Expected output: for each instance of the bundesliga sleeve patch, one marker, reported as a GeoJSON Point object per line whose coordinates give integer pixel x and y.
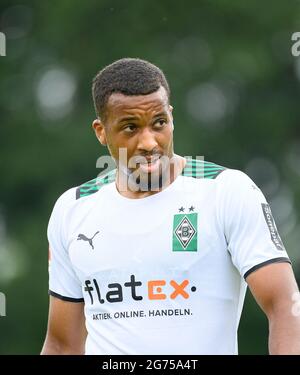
{"type": "Point", "coordinates": [275, 237]}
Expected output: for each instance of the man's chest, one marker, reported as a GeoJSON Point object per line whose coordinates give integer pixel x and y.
{"type": "Point", "coordinates": [178, 233]}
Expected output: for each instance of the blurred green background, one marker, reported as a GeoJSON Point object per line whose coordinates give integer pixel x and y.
{"type": "Point", "coordinates": [235, 91]}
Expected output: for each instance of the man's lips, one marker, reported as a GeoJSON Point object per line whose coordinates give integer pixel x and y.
{"type": "Point", "coordinates": [146, 159]}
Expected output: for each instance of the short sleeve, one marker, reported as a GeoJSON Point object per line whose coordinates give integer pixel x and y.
{"type": "Point", "coordinates": [63, 282]}
{"type": "Point", "coordinates": [249, 227]}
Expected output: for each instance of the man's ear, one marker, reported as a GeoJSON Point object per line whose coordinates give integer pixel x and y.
{"type": "Point", "coordinates": [99, 129]}
{"type": "Point", "coordinates": [171, 111]}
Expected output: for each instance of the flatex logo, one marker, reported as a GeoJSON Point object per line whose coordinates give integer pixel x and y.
{"type": "Point", "coordinates": [159, 289]}
{"type": "Point", "coordinates": [2, 44]}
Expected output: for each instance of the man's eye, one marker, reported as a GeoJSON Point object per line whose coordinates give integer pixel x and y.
{"type": "Point", "coordinates": [129, 128]}
{"type": "Point", "coordinates": [160, 123]}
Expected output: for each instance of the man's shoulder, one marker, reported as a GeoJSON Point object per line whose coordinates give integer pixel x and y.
{"type": "Point", "coordinates": [236, 185]}
{"type": "Point", "coordinates": [199, 168]}
{"type": "Point", "coordinates": [222, 175]}
{"type": "Point", "coordinates": [231, 176]}
{"type": "Point", "coordinates": [93, 186]}
{"type": "Point", "coordinates": [74, 195]}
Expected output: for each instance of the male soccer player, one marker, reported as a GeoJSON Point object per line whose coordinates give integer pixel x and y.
{"type": "Point", "coordinates": [155, 256]}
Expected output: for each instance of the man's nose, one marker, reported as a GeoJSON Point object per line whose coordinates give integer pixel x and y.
{"type": "Point", "coordinates": [147, 140]}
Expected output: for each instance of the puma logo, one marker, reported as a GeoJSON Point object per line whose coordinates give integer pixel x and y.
{"type": "Point", "coordinates": [85, 238]}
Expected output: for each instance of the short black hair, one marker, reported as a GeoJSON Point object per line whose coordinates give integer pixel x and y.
{"type": "Point", "coordinates": [128, 76]}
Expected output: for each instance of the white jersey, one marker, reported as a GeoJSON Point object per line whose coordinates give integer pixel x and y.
{"type": "Point", "coordinates": [163, 274]}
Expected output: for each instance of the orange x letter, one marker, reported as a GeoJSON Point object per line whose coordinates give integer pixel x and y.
{"type": "Point", "coordinates": [179, 289]}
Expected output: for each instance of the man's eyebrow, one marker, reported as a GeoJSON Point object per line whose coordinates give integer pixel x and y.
{"type": "Point", "coordinates": [163, 113]}
{"type": "Point", "coordinates": [128, 118]}
{"type": "Point", "coordinates": [133, 118]}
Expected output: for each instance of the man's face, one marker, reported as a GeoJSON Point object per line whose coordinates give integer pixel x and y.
{"type": "Point", "coordinates": [143, 125]}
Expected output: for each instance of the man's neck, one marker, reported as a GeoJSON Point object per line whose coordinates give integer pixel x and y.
{"type": "Point", "coordinates": [176, 166]}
